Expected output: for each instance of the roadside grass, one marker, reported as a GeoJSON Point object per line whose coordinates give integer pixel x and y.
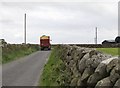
{"type": "Point", "coordinates": [51, 72]}
{"type": "Point", "coordinates": [112, 51]}
{"type": "Point", "coordinates": [13, 52]}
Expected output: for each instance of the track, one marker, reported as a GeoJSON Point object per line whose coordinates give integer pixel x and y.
{"type": "Point", "coordinates": [25, 71]}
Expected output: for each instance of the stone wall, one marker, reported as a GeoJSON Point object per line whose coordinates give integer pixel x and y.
{"type": "Point", "coordinates": [89, 68]}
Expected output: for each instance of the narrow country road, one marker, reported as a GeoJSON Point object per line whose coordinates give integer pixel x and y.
{"type": "Point", "coordinates": [25, 71]}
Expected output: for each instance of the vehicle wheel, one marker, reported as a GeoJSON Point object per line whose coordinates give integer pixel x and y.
{"type": "Point", "coordinates": [42, 48]}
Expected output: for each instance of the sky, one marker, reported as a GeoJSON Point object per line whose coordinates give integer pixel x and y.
{"type": "Point", "coordinates": [66, 22]}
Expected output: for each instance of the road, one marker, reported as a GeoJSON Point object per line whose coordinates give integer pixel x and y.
{"type": "Point", "coordinates": [24, 71]}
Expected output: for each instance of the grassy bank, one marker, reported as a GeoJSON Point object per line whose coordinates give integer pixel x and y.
{"type": "Point", "coordinates": [112, 51]}
{"type": "Point", "coordinates": [12, 52]}
{"type": "Point", "coordinates": [52, 70]}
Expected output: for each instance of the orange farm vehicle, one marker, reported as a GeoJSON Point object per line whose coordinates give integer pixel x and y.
{"type": "Point", "coordinates": [45, 42]}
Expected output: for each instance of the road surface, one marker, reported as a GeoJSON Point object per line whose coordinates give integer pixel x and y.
{"type": "Point", "coordinates": [25, 71]}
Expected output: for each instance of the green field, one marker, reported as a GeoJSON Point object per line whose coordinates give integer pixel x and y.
{"type": "Point", "coordinates": [112, 51]}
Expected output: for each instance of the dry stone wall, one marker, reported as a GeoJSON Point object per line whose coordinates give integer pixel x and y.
{"type": "Point", "coordinates": [90, 68]}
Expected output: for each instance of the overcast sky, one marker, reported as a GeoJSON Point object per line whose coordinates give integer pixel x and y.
{"type": "Point", "coordinates": [64, 22]}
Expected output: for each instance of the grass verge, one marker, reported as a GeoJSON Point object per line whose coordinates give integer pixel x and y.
{"type": "Point", "coordinates": [112, 51]}
{"type": "Point", "coordinates": [13, 52]}
{"type": "Point", "coordinates": [52, 69]}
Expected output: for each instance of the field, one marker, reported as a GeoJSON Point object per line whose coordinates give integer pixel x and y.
{"type": "Point", "coordinates": [112, 51]}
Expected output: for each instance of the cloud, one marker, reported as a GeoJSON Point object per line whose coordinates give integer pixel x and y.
{"type": "Point", "coordinates": [64, 22]}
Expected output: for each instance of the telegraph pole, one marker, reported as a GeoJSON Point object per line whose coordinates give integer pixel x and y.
{"type": "Point", "coordinates": [25, 28]}
{"type": "Point", "coordinates": [96, 35]}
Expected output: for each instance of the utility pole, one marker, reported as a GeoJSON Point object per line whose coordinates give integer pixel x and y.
{"type": "Point", "coordinates": [25, 28]}
{"type": "Point", "coordinates": [96, 35]}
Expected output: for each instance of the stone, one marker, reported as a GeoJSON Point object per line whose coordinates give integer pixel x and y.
{"type": "Point", "coordinates": [68, 69]}
{"type": "Point", "coordinates": [69, 52]}
{"type": "Point", "coordinates": [72, 62]}
{"type": "Point", "coordinates": [87, 72]}
{"type": "Point", "coordinates": [94, 61]}
{"type": "Point", "coordinates": [117, 84]}
{"type": "Point", "coordinates": [93, 79]}
{"type": "Point", "coordinates": [92, 52]}
{"type": "Point", "coordinates": [74, 82]}
{"type": "Point", "coordinates": [89, 62]}
{"type": "Point", "coordinates": [81, 83]}
{"type": "Point", "coordinates": [68, 58]}
{"type": "Point", "coordinates": [80, 54]}
{"type": "Point", "coordinates": [82, 62]}
{"type": "Point", "coordinates": [73, 67]}
{"type": "Point", "coordinates": [108, 60]}
{"type": "Point", "coordinates": [112, 64]}
{"type": "Point", "coordinates": [114, 75]}
{"type": "Point", "coordinates": [101, 69]}
{"type": "Point", "coordinates": [104, 83]}
{"type": "Point", "coordinates": [86, 50]}
{"type": "Point", "coordinates": [76, 73]}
